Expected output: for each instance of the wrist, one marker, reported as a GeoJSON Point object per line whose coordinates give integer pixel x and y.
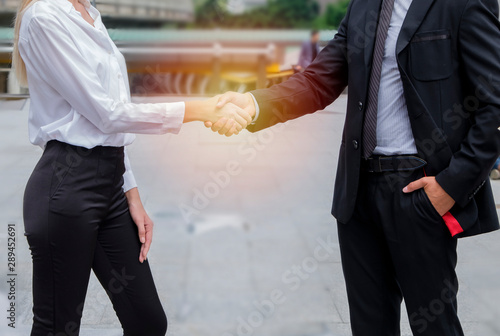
{"type": "Point", "coordinates": [251, 103]}
{"type": "Point", "coordinates": [133, 198]}
{"type": "Point", "coordinates": [200, 111]}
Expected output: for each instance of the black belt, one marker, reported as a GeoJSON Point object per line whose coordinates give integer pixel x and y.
{"type": "Point", "coordinates": [397, 163]}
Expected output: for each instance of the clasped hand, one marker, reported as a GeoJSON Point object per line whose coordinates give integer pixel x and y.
{"type": "Point", "coordinates": [222, 113]}
{"type": "Point", "coordinates": [235, 111]}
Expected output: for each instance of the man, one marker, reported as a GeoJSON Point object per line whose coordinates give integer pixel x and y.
{"type": "Point", "coordinates": [420, 137]}
{"type": "Point", "coordinates": [309, 51]}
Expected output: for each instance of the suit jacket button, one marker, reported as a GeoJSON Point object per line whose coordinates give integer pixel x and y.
{"type": "Point", "coordinates": [360, 106]}
{"type": "Point", "coordinates": [355, 144]}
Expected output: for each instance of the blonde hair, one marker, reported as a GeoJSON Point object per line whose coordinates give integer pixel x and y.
{"type": "Point", "coordinates": [17, 61]}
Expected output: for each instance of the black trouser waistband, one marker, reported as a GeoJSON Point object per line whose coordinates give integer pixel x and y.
{"type": "Point", "coordinates": [106, 151]}
{"type": "Point", "coordinates": [396, 163]}
{"type": "Point", "coordinates": [101, 165]}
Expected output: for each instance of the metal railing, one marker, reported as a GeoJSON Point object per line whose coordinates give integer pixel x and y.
{"type": "Point", "coordinates": [180, 82]}
{"type": "Point", "coordinates": [10, 96]}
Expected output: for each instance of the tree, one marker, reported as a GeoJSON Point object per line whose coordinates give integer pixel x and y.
{"type": "Point", "coordinates": [276, 14]}
{"type": "Point", "coordinates": [292, 13]}
{"type": "Point", "coordinates": [211, 13]}
{"type": "Point", "coordinates": [335, 13]}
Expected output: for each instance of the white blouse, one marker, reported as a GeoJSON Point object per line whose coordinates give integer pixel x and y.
{"type": "Point", "coordinates": [79, 86]}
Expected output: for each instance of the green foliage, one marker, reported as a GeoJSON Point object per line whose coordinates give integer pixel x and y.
{"type": "Point", "coordinates": [292, 13]}
{"type": "Point", "coordinates": [211, 13]}
{"type": "Point", "coordinates": [276, 14]}
{"type": "Point", "coordinates": [335, 13]}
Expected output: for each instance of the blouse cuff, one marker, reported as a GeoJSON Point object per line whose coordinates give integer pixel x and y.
{"type": "Point", "coordinates": [174, 117]}
{"type": "Point", "coordinates": [129, 181]}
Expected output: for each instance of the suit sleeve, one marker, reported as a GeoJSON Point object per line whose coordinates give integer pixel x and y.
{"type": "Point", "coordinates": [323, 81]}
{"type": "Point", "coordinates": [479, 50]}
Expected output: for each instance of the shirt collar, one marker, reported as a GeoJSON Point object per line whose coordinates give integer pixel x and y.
{"type": "Point", "coordinates": [94, 13]}
{"type": "Point", "coordinates": [64, 4]}
{"type": "Point", "coordinates": [67, 5]}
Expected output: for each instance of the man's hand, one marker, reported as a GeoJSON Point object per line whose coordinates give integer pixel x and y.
{"type": "Point", "coordinates": [142, 220]}
{"type": "Point", "coordinates": [244, 101]}
{"type": "Point", "coordinates": [441, 201]}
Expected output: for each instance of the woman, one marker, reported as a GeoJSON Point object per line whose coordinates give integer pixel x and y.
{"type": "Point", "coordinates": [82, 209]}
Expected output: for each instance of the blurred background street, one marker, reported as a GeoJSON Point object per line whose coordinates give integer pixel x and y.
{"type": "Point", "coordinates": [222, 248]}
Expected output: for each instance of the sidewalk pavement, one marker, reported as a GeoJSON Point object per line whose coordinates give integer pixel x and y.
{"type": "Point", "coordinates": [234, 218]}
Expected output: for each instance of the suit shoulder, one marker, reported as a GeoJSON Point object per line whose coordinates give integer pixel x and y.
{"type": "Point", "coordinates": [457, 4]}
{"type": "Point", "coordinates": [490, 5]}
{"type": "Point", "coordinates": [463, 4]}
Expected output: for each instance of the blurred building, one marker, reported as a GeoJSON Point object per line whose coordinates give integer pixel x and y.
{"type": "Point", "coordinates": [7, 10]}
{"type": "Point", "coordinates": [240, 6]}
{"type": "Point", "coordinates": [9, 5]}
{"type": "Point", "coordinates": [125, 12]}
{"type": "Point", "coordinates": [147, 10]}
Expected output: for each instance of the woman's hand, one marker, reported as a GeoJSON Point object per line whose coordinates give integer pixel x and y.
{"type": "Point", "coordinates": [142, 220]}
{"type": "Point", "coordinates": [233, 118]}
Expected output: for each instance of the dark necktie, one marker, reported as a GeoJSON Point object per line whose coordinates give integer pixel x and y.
{"type": "Point", "coordinates": [370, 124]}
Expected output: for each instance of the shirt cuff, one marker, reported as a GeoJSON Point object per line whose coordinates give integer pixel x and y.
{"type": "Point", "coordinates": [257, 110]}
{"type": "Point", "coordinates": [174, 117]}
{"type": "Point", "coordinates": [129, 181]}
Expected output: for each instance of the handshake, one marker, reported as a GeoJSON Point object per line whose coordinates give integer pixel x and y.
{"type": "Point", "coordinates": [227, 114]}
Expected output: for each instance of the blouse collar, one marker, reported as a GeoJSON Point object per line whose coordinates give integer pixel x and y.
{"type": "Point", "coordinates": [67, 5]}
{"type": "Point", "coordinates": [94, 13]}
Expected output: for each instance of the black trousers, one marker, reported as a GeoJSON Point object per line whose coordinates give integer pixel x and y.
{"type": "Point", "coordinates": [397, 246]}
{"type": "Point", "coordinates": [76, 220]}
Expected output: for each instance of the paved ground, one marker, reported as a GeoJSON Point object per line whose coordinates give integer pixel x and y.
{"type": "Point", "coordinates": [218, 256]}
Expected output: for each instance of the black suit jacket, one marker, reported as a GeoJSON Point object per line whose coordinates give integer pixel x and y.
{"type": "Point", "coordinates": [448, 54]}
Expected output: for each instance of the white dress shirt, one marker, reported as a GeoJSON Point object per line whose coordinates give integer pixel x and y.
{"type": "Point", "coordinates": [394, 134]}
{"type": "Point", "coordinates": [79, 86]}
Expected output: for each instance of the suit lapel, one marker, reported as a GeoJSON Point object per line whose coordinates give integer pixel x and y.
{"type": "Point", "coordinates": [416, 14]}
